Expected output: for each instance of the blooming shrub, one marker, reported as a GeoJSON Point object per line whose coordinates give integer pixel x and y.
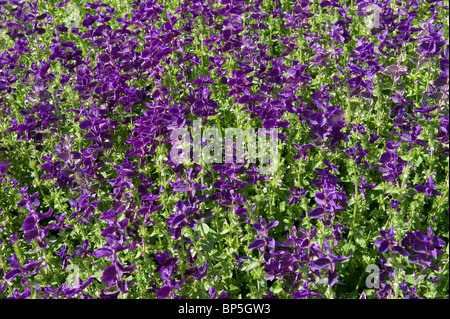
{"type": "Point", "coordinates": [93, 203]}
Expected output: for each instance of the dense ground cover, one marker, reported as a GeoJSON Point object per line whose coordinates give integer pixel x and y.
{"type": "Point", "coordinates": [92, 204]}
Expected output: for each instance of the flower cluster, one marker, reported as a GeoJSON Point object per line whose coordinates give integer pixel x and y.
{"type": "Point", "coordinates": [92, 92]}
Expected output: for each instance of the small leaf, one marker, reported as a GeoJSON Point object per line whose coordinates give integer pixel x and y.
{"type": "Point", "coordinates": [203, 229]}
{"type": "Point", "coordinates": [361, 242]}
{"type": "Point", "coordinates": [282, 206]}
{"type": "Point", "coordinates": [251, 265]}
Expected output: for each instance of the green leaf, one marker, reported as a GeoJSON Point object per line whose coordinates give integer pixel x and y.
{"type": "Point", "coordinates": [250, 264]}
{"type": "Point", "coordinates": [282, 206]}
{"type": "Point", "coordinates": [348, 248]}
{"type": "Point", "coordinates": [209, 242]}
{"type": "Point", "coordinates": [361, 242]}
{"type": "Point", "coordinates": [203, 229]}
{"type": "Point", "coordinates": [233, 289]}
{"type": "Point", "coordinates": [419, 160]}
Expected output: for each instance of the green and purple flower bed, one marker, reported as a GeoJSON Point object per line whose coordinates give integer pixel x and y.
{"type": "Point", "coordinates": [108, 189]}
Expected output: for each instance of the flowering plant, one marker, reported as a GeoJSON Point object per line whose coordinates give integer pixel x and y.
{"type": "Point", "coordinates": [113, 129]}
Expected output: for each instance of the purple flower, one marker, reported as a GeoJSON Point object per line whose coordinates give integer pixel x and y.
{"type": "Point", "coordinates": [373, 138]}
{"type": "Point", "coordinates": [412, 138]}
{"type": "Point", "coordinates": [3, 171]}
{"type": "Point", "coordinates": [201, 271]}
{"type": "Point", "coordinates": [212, 294]}
{"type": "Point", "coordinates": [17, 295]}
{"type": "Point", "coordinates": [393, 164]}
{"type": "Point", "coordinates": [303, 151]}
{"type": "Point", "coordinates": [89, 20]}
{"type": "Point", "coordinates": [32, 267]}
{"type": "Point", "coordinates": [328, 262]}
{"type": "Point", "coordinates": [364, 186]}
{"type": "Point", "coordinates": [239, 259]}
{"type": "Point", "coordinates": [434, 279]}
{"type": "Point", "coordinates": [167, 267]}
{"type": "Point", "coordinates": [426, 245]}
{"type": "Point", "coordinates": [296, 194]}
{"type": "Point", "coordinates": [387, 242]}
{"type": "Point", "coordinates": [3, 287]}
{"type": "Point", "coordinates": [305, 293]}
{"type": "Point", "coordinates": [357, 155]}
{"type": "Point", "coordinates": [428, 188]}
{"type": "Point", "coordinates": [62, 28]}
{"type": "Point", "coordinates": [263, 229]}
{"type": "Point", "coordinates": [395, 204]}
{"type": "Point", "coordinates": [425, 110]}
